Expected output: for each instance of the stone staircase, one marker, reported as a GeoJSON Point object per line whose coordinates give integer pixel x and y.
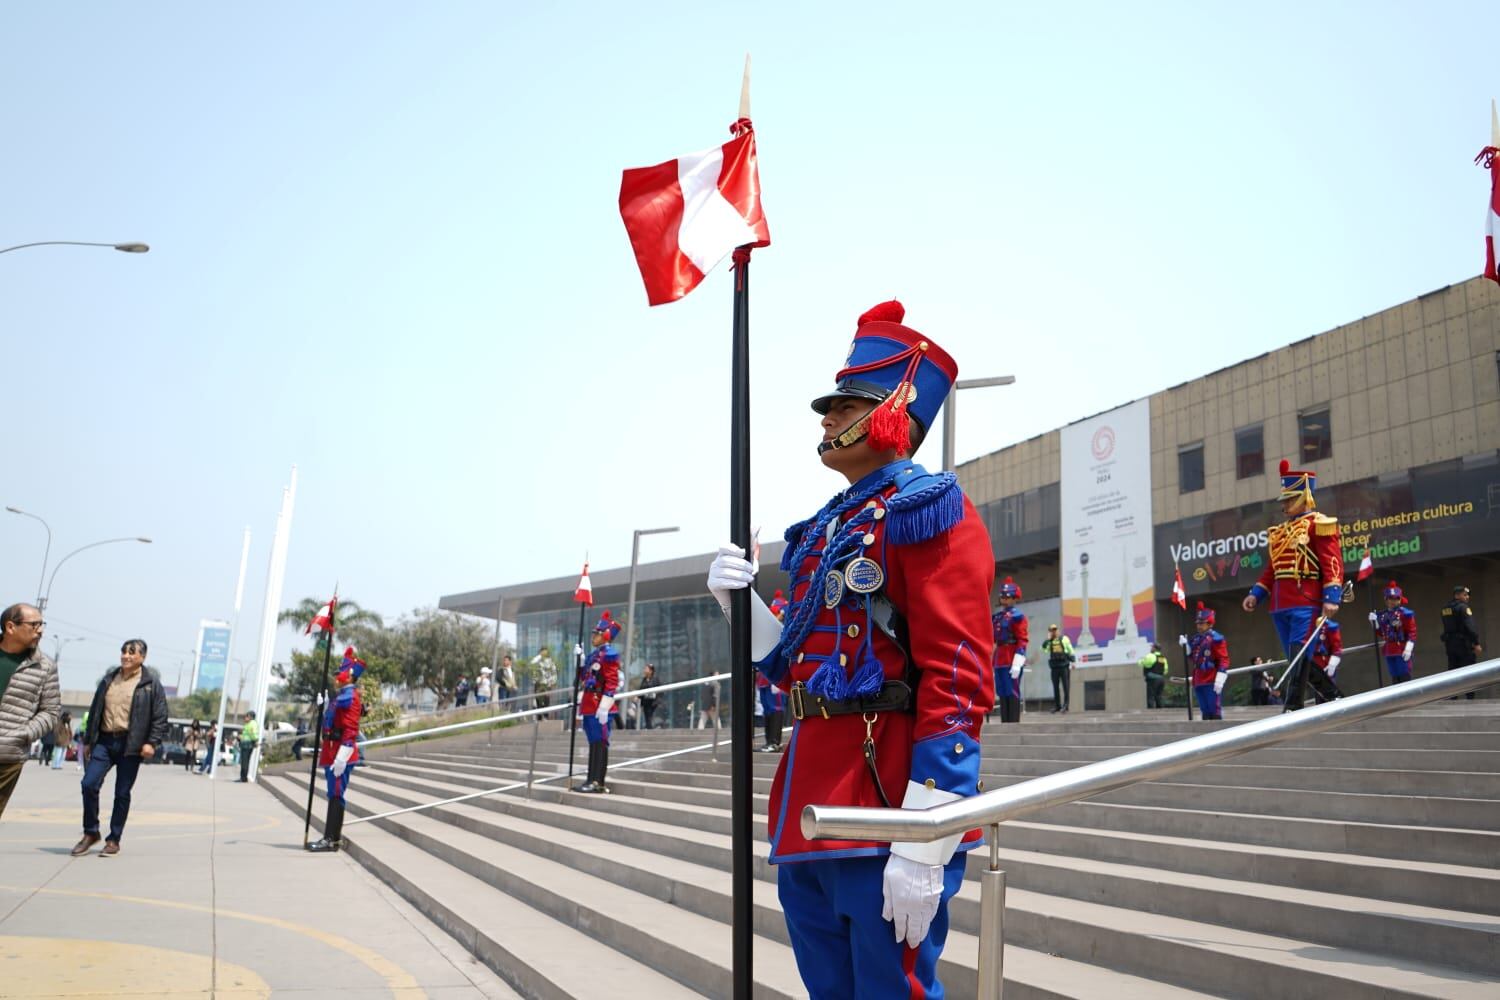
{"type": "Point", "coordinates": [1360, 863]}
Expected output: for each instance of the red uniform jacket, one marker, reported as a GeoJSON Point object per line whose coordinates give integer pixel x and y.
{"type": "Point", "coordinates": [1328, 644]}
{"type": "Point", "coordinates": [1395, 627]}
{"type": "Point", "coordinates": [341, 727]}
{"type": "Point", "coordinates": [1208, 653]}
{"type": "Point", "coordinates": [1306, 564]}
{"type": "Point", "coordinates": [1012, 634]}
{"type": "Point", "coordinates": [601, 677]}
{"type": "Point", "coordinates": [936, 570]}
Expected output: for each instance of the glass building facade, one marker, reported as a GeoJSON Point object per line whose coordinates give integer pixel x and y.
{"type": "Point", "coordinates": [684, 637]}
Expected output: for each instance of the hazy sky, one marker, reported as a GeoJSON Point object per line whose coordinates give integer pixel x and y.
{"type": "Point", "coordinates": [385, 247]}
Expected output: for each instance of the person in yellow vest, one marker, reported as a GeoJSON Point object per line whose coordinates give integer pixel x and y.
{"type": "Point", "coordinates": [249, 738]}
{"type": "Point", "coordinates": [1060, 659]}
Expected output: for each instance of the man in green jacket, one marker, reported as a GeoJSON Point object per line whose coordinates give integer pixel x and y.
{"type": "Point", "coordinates": [1154, 667]}
{"type": "Point", "coordinates": [1059, 652]}
{"type": "Point", "coordinates": [249, 737]}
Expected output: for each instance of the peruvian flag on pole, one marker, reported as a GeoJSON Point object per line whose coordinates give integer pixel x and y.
{"type": "Point", "coordinates": [585, 592]}
{"type": "Point", "coordinates": [323, 620]}
{"type": "Point", "coordinates": [687, 214]}
{"type": "Point", "coordinates": [1179, 593]}
{"type": "Point", "coordinates": [1367, 565]}
{"type": "Point", "coordinates": [1489, 158]}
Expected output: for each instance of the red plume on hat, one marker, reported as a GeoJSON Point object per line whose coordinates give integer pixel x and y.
{"type": "Point", "coordinates": [1205, 613]}
{"type": "Point", "coordinates": [1010, 588]}
{"type": "Point", "coordinates": [890, 425]}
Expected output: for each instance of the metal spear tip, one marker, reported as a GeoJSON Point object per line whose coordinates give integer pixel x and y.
{"type": "Point", "coordinates": [745, 89]}
{"type": "Point", "coordinates": [145, 540]}
{"type": "Point", "coordinates": [132, 247]}
{"type": "Point", "coordinates": [14, 510]}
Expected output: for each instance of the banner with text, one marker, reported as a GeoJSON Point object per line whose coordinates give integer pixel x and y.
{"type": "Point", "coordinates": [1108, 594]}
{"type": "Point", "coordinates": [213, 656]}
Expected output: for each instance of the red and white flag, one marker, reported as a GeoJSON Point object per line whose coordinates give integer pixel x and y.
{"type": "Point", "coordinates": [1489, 158]}
{"type": "Point", "coordinates": [1179, 593]}
{"type": "Point", "coordinates": [1366, 568]}
{"type": "Point", "coordinates": [585, 592]}
{"type": "Point", "coordinates": [323, 620]}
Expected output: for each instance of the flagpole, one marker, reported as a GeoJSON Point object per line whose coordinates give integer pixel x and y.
{"type": "Point", "coordinates": [1375, 630]}
{"type": "Point", "coordinates": [312, 774]}
{"type": "Point", "coordinates": [577, 679]}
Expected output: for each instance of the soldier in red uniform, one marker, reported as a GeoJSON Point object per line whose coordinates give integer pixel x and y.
{"type": "Point", "coordinates": [1396, 631]}
{"type": "Point", "coordinates": [772, 701]}
{"type": "Point", "coordinates": [338, 753]}
{"type": "Point", "coordinates": [1208, 654]}
{"type": "Point", "coordinates": [1012, 634]}
{"type": "Point", "coordinates": [601, 679]}
{"type": "Point", "coordinates": [1304, 575]}
{"type": "Point", "coordinates": [1325, 654]}
{"type": "Point", "coordinates": [885, 654]}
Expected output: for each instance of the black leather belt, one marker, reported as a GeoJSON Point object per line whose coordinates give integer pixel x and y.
{"type": "Point", "coordinates": [894, 696]}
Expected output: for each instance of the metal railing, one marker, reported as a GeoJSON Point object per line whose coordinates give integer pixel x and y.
{"type": "Point", "coordinates": [990, 809]}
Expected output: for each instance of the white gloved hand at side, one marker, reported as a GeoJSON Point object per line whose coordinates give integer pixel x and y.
{"type": "Point", "coordinates": [605, 704]}
{"type": "Point", "coordinates": [1333, 666]}
{"type": "Point", "coordinates": [341, 760]}
{"type": "Point", "coordinates": [1182, 641]}
{"type": "Point", "coordinates": [1219, 680]}
{"type": "Point", "coordinates": [1016, 664]}
{"type": "Point", "coordinates": [912, 891]}
{"type": "Point", "coordinates": [731, 571]}
{"type": "Point", "coordinates": [1374, 618]}
{"type": "Point", "coordinates": [1406, 653]}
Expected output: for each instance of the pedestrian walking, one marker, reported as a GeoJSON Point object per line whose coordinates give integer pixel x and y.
{"type": "Point", "coordinates": [461, 693]}
{"type": "Point", "coordinates": [886, 658]}
{"type": "Point", "coordinates": [191, 742]}
{"type": "Point", "coordinates": [1058, 649]}
{"type": "Point", "coordinates": [1460, 641]}
{"type": "Point", "coordinates": [1396, 631]}
{"type": "Point", "coordinates": [211, 748]}
{"type": "Point", "coordinates": [708, 705]}
{"type": "Point", "coordinates": [506, 682]}
{"type": "Point", "coordinates": [48, 741]}
{"type": "Point", "coordinates": [62, 739]}
{"type": "Point", "coordinates": [127, 724]}
{"type": "Point", "coordinates": [1260, 683]}
{"type": "Point", "coordinates": [483, 688]}
{"type": "Point", "coordinates": [648, 700]}
{"type": "Point", "coordinates": [544, 674]}
{"type": "Point", "coordinates": [249, 740]}
{"type": "Point", "coordinates": [1154, 668]}
{"type": "Point", "coordinates": [29, 700]}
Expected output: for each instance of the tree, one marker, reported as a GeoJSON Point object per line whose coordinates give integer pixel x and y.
{"type": "Point", "coordinates": [438, 648]}
{"type": "Point", "coordinates": [201, 704]}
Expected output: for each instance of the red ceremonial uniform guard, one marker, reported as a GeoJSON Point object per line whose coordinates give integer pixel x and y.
{"type": "Point", "coordinates": [338, 753]}
{"type": "Point", "coordinates": [1208, 654]}
{"type": "Point", "coordinates": [885, 654]}
{"type": "Point", "coordinates": [772, 700]}
{"type": "Point", "coordinates": [1326, 652]}
{"type": "Point", "coordinates": [601, 679]}
{"type": "Point", "coordinates": [1396, 631]}
{"type": "Point", "coordinates": [1012, 635]}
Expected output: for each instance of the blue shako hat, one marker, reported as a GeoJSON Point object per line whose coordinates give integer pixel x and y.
{"type": "Point", "coordinates": [607, 626]}
{"type": "Point", "coordinates": [899, 368]}
{"type": "Point", "coordinates": [1297, 483]}
{"type": "Point", "coordinates": [1205, 614]}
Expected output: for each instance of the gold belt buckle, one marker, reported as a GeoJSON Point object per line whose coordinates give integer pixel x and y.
{"type": "Point", "coordinates": [796, 700]}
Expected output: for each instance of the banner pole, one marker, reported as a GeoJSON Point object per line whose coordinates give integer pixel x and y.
{"type": "Point", "coordinates": [1375, 630]}
{"type": "Point", "coordinates": [312, 774]}
{"type": "Point", "coordinates": [577, 680]}
{"type": "Point", "coordinates": [742, 682]}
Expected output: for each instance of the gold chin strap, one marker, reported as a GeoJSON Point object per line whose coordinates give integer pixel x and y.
{"type": "Point", "coordinates": [855, 433]}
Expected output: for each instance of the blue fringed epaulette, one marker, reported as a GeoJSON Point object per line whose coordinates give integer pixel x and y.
{"type": "Point", "coordinates": [926, 506]}
{"type": "Point", "coordinates": [793, 537]}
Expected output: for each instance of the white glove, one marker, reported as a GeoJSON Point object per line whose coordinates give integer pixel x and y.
{"type": "Point", "coordinates": [731, 571]}
{"type": "Point", "coordinates": [1333, 666]}
{"type": "Point", "coordinates": [1219, 680]}
{"type": "Point", "coordinates": [912, 892]}
{"type": "Point", "coordinates": [605, 704]}
{"type": "Point", "coordinates": [1015, 666]}
{"type": "Point", "coordinates": [1406, 653]}
{"type": "Point", "coordinates": [1374, 619]}
{"type": "Point", "coordinates": [1182, 641]}
{"type": "Point", "coordinates": [341, 760]}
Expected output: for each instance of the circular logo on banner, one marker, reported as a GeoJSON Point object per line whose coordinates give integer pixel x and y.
{"type": "Point", "coordinates": [864, 575]}
{"type": "Point", "coordinates": [833, 589]}
{"type": "Point", "coordinates": [1103, 444]}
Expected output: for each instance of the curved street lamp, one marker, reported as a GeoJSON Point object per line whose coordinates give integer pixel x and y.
{"type": "Point", "coordinates": [45, 552]}
{"type": "Point", "coordinates": [122, 247]}
{"type": "Point", "coordinates": [42, 603]}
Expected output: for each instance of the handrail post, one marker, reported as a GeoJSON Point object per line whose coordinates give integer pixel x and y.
{"type": "Point", "coordinates": [536, 727]}
{"type": "Point", "coordinates": [992, 923]}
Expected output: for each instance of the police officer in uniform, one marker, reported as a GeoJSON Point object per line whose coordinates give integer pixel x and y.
{"type": "Point", "coordinates": [1012, 635]}
{"type": "Point", "coordinates": [885, 657]}
{"type": "Point", "coordinates": [1459, 638]}
{"type": "Point", "coordinates": [1059, 650]}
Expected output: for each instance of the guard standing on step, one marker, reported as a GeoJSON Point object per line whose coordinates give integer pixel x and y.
{"type": "Point", "coordinates": [772, 701]}
{"type": "Point", "coordinates": [1459, 638]}
{"type": "Point", "coordinates": [885, 656]}
{"type": "Point", "coordinates": [338, 753]}
{"type": "Point", "coordinates": [601, 679]}
{"type": "Point", "coordinates": [1304, 576]}
{"type": "Point", "coordinates": [1208, 654]}
{"type": "Point", "coordinates": [1325, 653]}
{"type": "Point", "coordinates": [1396, 631]}
{"type": "Point", "coordinates": [1012, 634]}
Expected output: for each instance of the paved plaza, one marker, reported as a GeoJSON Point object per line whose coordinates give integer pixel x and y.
{"type": "Point", "coordinates": [210, 896]}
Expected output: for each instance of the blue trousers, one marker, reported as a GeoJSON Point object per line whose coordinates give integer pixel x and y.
{"type": "Point", "coordinates": [1208, 701]}
{"type": "Point", "coordinates": [1004, 686]}
{"type": "Point", "coordinates": [1398, 668]}
{"type": "Point", "coordinates": [594, 731]}
{"type": "Point", "coordinates": [1293, 626]}
{"type": "Point", "coordinates": [337, 786]}
{"type": "Point", "coordinates": [108, 753]}
{"type": "Point", "coordinates": [844, 949]}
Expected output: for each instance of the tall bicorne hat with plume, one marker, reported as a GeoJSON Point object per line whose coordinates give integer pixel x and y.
{"type": "Point", "coordinates": [1393, 592]}
{"type": "Point", "coordinates": [1205, 614]}
{"type": "Point", "coordinates": [907, 374]}
{"type": "Point", "coordinates": [1010, 588]}
{"type": "Point", "coordinates": [1297, 483]}
{"type": "Point", "coordinates": [351, 669]}
{"type": "Point", "coordinates": [608, 626]}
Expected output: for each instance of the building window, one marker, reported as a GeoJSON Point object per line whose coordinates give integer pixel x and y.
{"type": "Point", "coordinates": [1190, 469]}
{"type": "Point", "coordinates": [1315, 434]}
{"type": "Point", "coordinates": [1249, 452]}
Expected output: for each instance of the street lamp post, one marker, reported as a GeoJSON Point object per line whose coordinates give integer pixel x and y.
{"type": "Point", "coordinates": [42, 601]}
{"type": "Point", "coordinates": [45, 552]}
{"type": "Point", "coordinates": [635, 556]}
{"type": "Point", "coordinates": [950, 405]}
{"type": "Point", "coordinates": [60, 643]}
{"type": "Point", "coordinates": [122, 247]}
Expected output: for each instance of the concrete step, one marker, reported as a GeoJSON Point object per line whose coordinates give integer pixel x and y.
{"type": "Point", "coordinates": [535, 954]}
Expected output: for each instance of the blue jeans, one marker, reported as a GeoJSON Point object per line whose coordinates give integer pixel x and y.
{"type": "Point", "coordinates": [108, 753]}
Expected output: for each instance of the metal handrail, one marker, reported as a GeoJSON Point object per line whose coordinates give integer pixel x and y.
{"type": "Point", "coordinates": [990, 809]}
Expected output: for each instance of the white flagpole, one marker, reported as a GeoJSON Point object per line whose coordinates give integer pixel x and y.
{"type": "Point", "coordinates": [234, 633]}
{"type": "Point", "coordinates": [275, 581]}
